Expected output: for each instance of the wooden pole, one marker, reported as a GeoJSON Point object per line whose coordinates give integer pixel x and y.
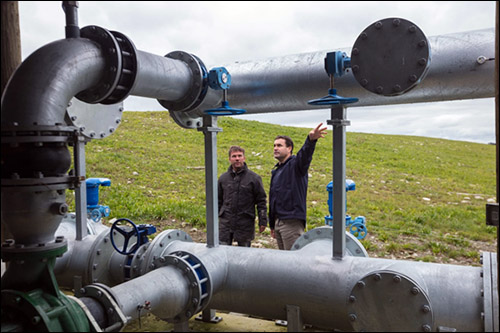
{"type": "Point", "coordinates": [11, 55]}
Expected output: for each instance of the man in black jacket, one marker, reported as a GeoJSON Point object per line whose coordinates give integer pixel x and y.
{"type": "Point", "coordinates": [288, 192]}
{"type": "Point", "coordinates": [240, 190]}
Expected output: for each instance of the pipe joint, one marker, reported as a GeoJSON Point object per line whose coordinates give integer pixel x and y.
{"type": "Point", "coordinates": [195, 94]}
{"type": "Point", "coordinates": [198, 281]}
{"type": "Point", "coordinates": [121, 66]}
{"type": "Point", "coordinates": [109, 314]}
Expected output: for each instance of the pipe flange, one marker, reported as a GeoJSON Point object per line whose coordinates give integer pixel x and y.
{"type": "Point", "coordinates": [184, 120]}
{"type": "Point", "coordinates": [389, 301]}
{"type": "Point", "coordinates": [112, 52]}
{"type": "Point", "coordinates": [199, 282]}
{"type": "Point", "coordinates": [354, 247]}
{"type": "Point", "coordinates": [128, 73]}
{"type": "Point", "coordinates": [102, 250]}
{"type": "Point", "coordinates": [94, 121]}
{"type": "Point", "coordinates": [390, 57]}
{"type": "Point", "coordinates": [116, 319]}
{"type": "Point", "coordinates": [22, 252]}
{"type": "Point", "coordinates": [37, 134]}
{"type": "Point", "coordinates": [197, 91]}
{"type": "Point", "coordinates": [145, 261]}
{"type": "Point", "coordinates": [17, 184]}
{"type": "Point", "coordinates": [198, 86]}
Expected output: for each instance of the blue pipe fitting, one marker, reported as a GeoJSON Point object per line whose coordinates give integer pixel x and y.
{"type": "Point", "coordinates": [357, 227]}
{"type": "Point", "coordinates": [219, 78]}
{"type": "Point", "coordinates": [333, 99]}
{"type": "Point", "coordinates": [336, 63]}
{"type": "Point", "coordinates": [94, 210]}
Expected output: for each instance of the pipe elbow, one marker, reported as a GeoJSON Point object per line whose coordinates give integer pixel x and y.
{"type": "Point", "coordinates": [39, 91]}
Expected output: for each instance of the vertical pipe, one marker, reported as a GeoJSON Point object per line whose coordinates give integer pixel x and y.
{"type": "Point", "coordinates": [497, 129]}
{"type": "Point", "coordinates": [210, 131]}
{"type": "Point", "coordinates": [338, 113]}
{"type": "Point", "coordinates": [81, 191]}
{"type": "Point", "coordinates": [71, 10]}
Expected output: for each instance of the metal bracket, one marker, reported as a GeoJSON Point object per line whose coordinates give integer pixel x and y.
{"type": "Point", "coordinates": [492, 214]}
{"type": "Point", "coordinates": [338, 122]}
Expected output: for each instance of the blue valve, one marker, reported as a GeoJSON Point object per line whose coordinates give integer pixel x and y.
{"type": "Point", "coordinates": [224, 110]}
{"type": "Point", "coordinates": [220, 79]}
{"type": "Point", "coordinates": [94, 210]}
{"type": "Point", "coordinates": [357, 227]}
{"type": "Point", "coordinates": [140, 232]}
{"type": "Point", "coordinates": [335, 65]}
{"type": "Point", "coordinates": [333, 99]}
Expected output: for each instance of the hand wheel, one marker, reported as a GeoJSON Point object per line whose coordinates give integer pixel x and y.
{"type": "Point", "coordinates": [127, 234]}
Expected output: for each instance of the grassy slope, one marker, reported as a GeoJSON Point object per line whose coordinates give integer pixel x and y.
{"type": "Point", "coordinates": [417, 194]}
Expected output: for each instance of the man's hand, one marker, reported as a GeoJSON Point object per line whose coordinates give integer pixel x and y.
{"type": "Point", "coordinates": [262, 228]}
{"type": "Point", "coordinates": [272, 233]}
{"type": "Point", "coordinates": [317, 133]}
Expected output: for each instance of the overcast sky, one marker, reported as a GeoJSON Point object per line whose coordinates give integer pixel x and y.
{"type": "Point", "coordinates": [220, 33]}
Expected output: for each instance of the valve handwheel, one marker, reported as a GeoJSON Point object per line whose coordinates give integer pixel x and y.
{"type": "Point", "coordinates": [127, 235]}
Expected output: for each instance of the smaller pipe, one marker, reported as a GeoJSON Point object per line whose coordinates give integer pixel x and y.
{"type": "Point", "coordinates": [71, 10]}
{"type": "Point", "coordinates": [165, 289]}
{"type": "Point", "coordinates": [161, 77]}
{"type": "Point", "coordinates": [338, 115]}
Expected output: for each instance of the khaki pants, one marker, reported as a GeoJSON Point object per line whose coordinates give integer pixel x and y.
{"type": "Point", "coordinates": [287, 232]}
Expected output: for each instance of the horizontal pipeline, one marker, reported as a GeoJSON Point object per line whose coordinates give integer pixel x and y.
{"type": "Point", "coordinates": [287, 83]}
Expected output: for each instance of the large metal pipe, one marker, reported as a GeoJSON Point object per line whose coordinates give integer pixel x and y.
{"type": "Point", "coordinates": [41, 88]}
{"type": "Point", "coordinates": [287, 83]}
{"type": "Point", "coordinates": [262, 282]}
{"type": "Point", "coordinates": [161, 77]}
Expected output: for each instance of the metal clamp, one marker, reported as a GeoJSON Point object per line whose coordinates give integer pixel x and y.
{"type": "Point", "coordinates": [199, 281]}
{"type": "Point", "coordinates": [197, 90]}
{"type": "Point", "coordinates": [116, 319]}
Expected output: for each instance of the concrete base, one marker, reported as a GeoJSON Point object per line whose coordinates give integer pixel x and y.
{"type": "Point", "coordinates": [231, 322]}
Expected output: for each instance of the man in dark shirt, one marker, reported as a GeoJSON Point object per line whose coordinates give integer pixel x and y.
{"type": "Point", "coordinates": [288, 192]}
{"type": "Point", "coordinates": [240, 190]}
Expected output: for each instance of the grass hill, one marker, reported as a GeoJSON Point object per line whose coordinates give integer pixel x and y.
{"type": "Point", "coordinates": [423, 198]}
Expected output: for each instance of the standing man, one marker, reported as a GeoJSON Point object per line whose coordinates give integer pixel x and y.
{"type": "Point", "coordinates": [287, 196]}
{"type": "Point", "coordinates": [240, 191]}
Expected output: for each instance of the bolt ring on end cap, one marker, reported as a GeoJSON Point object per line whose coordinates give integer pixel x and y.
{"type": "Point", "coordinates": [389, 293]}
{"type": "Point", "coordinates": [391, 57]}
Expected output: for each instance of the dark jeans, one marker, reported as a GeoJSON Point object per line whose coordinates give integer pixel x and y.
{"type": "Point", "coordinates": [230, 241]}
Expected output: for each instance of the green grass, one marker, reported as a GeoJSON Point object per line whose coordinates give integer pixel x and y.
{"type": "Point", "coordinates": [433, 191]}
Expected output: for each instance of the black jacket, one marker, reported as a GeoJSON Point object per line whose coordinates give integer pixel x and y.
{"type": "Point", "coordinates": [288, 192]}
{"type": "Point", "coordinates": [239, 193]}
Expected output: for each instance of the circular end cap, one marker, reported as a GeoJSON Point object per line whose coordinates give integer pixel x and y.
{"type": "Point", "coordinates": [390, 57]}
{"type": "Point", "coordinates": [388, 301]}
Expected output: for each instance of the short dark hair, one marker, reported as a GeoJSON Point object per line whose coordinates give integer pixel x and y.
{"type": "Point", "coordinates": [288, 141]}
{"type": "Point", "coordinates": [236, 148]}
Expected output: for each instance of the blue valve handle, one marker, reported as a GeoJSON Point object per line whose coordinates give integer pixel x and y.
{"type": "Point", "coordinates": [127, 234]}
{"type": "Point", "coordinates": [358, 229]}
{"type": "Point", "coordinates": [332, 99]}
{"type": "Point", "coordinates": [224, 110]}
